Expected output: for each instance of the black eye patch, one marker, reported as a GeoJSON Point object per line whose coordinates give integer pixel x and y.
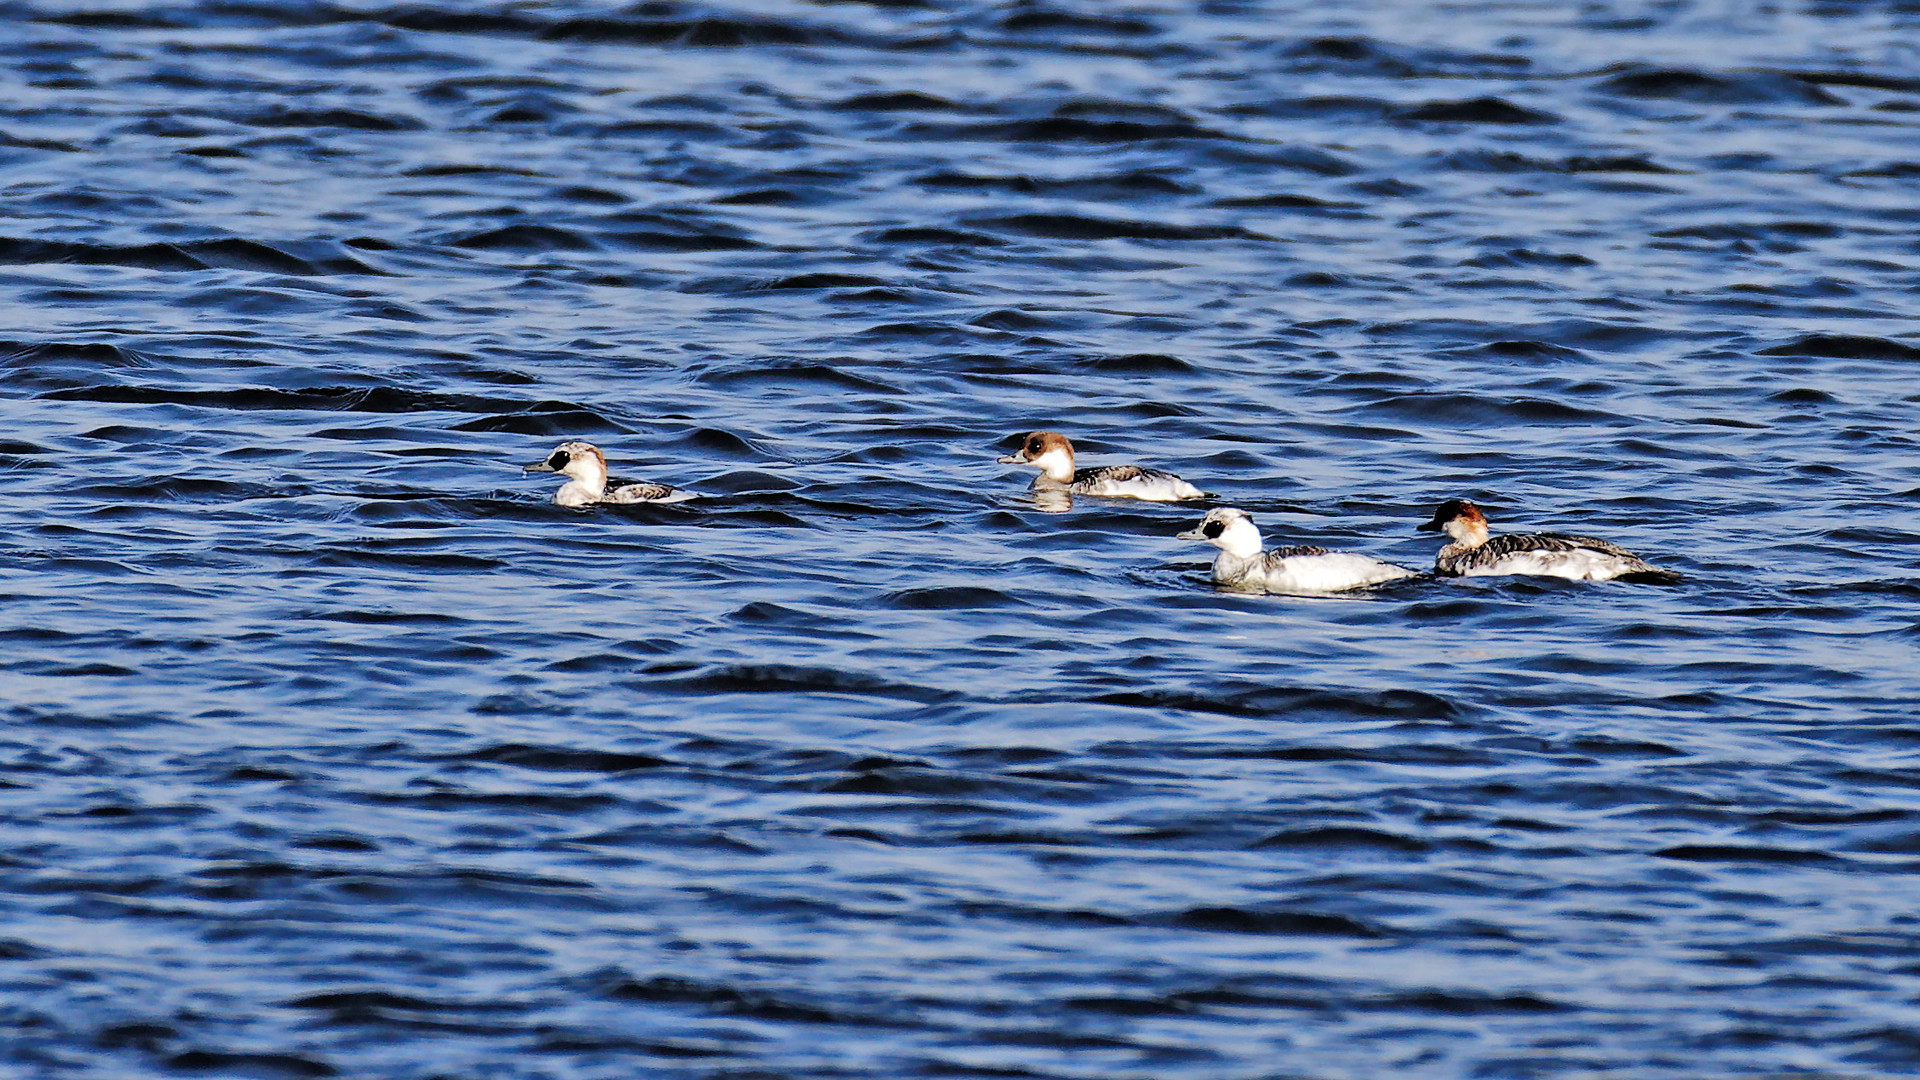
{"type": "Point", "coordinates": [558, 460]}
{"type": "Point", "coordinates": [1212, 530]}
{"type": "Point", "coordinates": [1033, 447]}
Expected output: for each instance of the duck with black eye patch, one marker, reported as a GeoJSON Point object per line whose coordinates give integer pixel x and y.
{"type": "Point", "coordinates": [1245, 564]}
{"type": "Point", "coordinates": [1476, 553]}
{"type": "Point", "coordinates": [588, 484]}
{"type": "Point", "coordinates": [1052, 454]}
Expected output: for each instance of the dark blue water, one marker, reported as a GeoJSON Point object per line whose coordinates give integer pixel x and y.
{"type": "Point", "coordinates": [333, 748]}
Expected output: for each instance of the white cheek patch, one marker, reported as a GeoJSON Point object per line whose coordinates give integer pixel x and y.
{"type": "Point", "coordinates": [1241, 538]}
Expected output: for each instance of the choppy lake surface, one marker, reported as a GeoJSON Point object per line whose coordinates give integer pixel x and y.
{"type": "Point", "coordinates": [333, 748]}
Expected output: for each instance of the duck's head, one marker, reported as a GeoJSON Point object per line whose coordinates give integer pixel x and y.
{"type": "Point", "coordinates": [1460, 520]}
{"type": "Point", "coordinates": [1228, 529]}
{"type": "Point", "coordinates": [581, 461]}
{"type": "Point", "coordinates": [1049, 450]}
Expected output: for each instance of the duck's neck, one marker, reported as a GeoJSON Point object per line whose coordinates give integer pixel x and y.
{"type": "Point", "coordinates": [589, 475]}
{"type": "Point", "coordinates": [1240, 553]}
{"type": "Point", "coordinates": [1241, 540]}
{"type": "Point", "coordinates": [1466, 535]}
{"type": "Point", "coordinates": [1056, 465]}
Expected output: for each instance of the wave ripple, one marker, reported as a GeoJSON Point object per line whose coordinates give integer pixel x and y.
{"type": "Point", "coordinates": [334, 748]}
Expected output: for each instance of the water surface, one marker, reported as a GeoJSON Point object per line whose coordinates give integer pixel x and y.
{"type": "Point", "coordinates": [333, 748]}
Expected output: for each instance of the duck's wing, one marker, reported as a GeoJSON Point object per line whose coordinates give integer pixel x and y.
{"type": "Point", "coordinates": [1116, 474]}
{"type": "Point", "coordinates": [1633, 568]}
{"type": "Point", "coordinates": [1498, 548]}
{"type": "Point", "coordinates": [1133, 481]}
{"type": "Point", "coordinates": [1518, 542]}
{"type": "Point", "coordinates": [1275, 554]}
{"type": "Point", "coordinates": [1594, 544]}
{"type": "Point", "coordinates": [1137, 475]}
{"type": "Point", "coordinates": [643, 492]}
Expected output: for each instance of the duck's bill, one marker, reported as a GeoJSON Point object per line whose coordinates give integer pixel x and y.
{"type": "Point", "coordinates": [1431, 526]}
{"type": "Point", "coordinates": [1190, 534]}
{"type": "Point", "coordinates": [538, 466]}
{"type": "Point", "coordinates": [1011, 459]}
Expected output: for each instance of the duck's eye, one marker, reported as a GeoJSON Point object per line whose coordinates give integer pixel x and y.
{"type": "Point", "coordinates": [1033, 447]}
{"type": "Point", "coordinates": [558, 460]}
{"type": "Point", "coordinates": [1212, 530]}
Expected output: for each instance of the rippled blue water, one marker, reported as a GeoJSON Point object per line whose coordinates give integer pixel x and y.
{"type": "Point", "coordinates": [333, 748]}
